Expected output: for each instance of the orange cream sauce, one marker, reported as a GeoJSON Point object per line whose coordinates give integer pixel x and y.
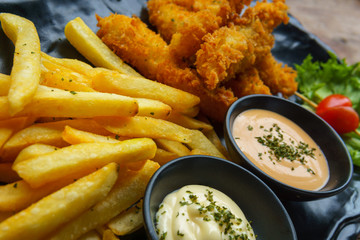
{"type": "Point", "coordinates": [280, 148]}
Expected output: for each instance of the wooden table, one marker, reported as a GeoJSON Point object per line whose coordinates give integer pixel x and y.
{"type": "Point", "coordinates": [335, 22]}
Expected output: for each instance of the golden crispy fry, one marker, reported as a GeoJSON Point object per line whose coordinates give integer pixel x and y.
{"type": "Point", "coordinates": [75, 136]}
{"type": "Point", "coordinates": [45, 215]}
{"type": "Point", "coordinates": [5, 215]}
{"type": "Point", "coordinates": [201, 142]}
{"type": "Point", "coordinates": [199, 152]}
{"type": "Point", "coordinates": [189, 122]}
{"type": "Point", "coordinates": [4, 84]}
{"type": "Point", "coordinates": [128, 221]}
{"type": "Point", "coordinates": [79, 158]}
{"type": "Point", "coordinates": [192, 112]}
{"type": "Point", "coordinates": [25, 73]}
{"type": "Point", "coordinates": [34, 150]}
{"type": "Point", "coordinates": [58, 76]}
{"type": "Point", "coordinates": [19, 195]}
{"type": "Point", "coordinates": [93, 49]}
{"type": "Point", "coordinates": [52, 102]}
{"type": "Point", "coordinates": [47, 133]}
{"type": "Point", "coordinates": [7, 175]}
{"type": "Point", "coordinates": [162, 156]}
{"type": "Point", "coordinates": [113, 82]}
{"type": "Point", "coordinates": [91, 235]}
{"type": "Point", "coordinates": [11, 126]}
{"type": "Point", "coordinates": [173, 146]}
{"type": "Point", "coordinates": [109, 235]}
{"type": "Point", "coordinates": [153, 108]}
{"type": "Point", "coordinates": [214, 138]}
{"type": "Point", "coordinates": [75, 65]}
{"type": "Point", "coordinates": [127, 190]}
{"type": "Point", "coordinates": [145, 127]}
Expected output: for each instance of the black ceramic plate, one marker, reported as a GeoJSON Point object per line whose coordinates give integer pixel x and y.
{"type": "Point", "coordinates": [336, 217]}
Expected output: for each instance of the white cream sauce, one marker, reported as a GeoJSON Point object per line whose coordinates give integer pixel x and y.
{"type": "Point", "coordinates": [197, 212]}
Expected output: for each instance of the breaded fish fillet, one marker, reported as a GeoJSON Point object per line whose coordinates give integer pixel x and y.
{"type": "Point", "coordinates": [231, 50]}
{"type": "Point", "coordinates": [148, 53]}
{"type": "Point", "coordinates": [131, 39]}
{"type": "Point", "coordinates": [184, 23]}
{"type": "Point", "coordinates": [248, 83]}
{"type": "Point", "coordinates": [278, 77]}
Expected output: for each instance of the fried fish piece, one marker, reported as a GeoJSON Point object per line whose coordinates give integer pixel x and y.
{"type": "Point", "coordinates": [131, 39]}
{"type": "Point", "coordinates": [145, 50]}
{"type": "Point", "coordinates": [248, 83]}
{"type": "Point", "coordinates": [278, 77]}
{"type": "Point", "coordinates": [233, 49]}
{"type": "Point", "coordinates": [184, 23]}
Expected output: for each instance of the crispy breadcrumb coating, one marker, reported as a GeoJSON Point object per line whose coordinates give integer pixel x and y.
{"type": "Point", "coordinates": [131, 39]}
{"type": "Point", "coordinates": [278, 77]}
{"type": "Point", "coordinates": [184, 23]}
{"type": "Point", "coordinates": [147, 51]}
{"type": "Point", "coordinates": [248, 83]}
{"type": "Point", "coordinates": [206, 48]}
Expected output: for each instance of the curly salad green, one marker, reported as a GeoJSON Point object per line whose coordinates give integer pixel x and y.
{"type": "Point", "coordinates": [317, 80]}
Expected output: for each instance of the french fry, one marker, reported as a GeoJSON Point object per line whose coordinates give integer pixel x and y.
{"type": "Point", "coordinates": [10, 126]}
{"type": "Point", "coordinates": [19, 195]}
{"type": "Point", "coordinates": [153, 108]}
{"type": "Point", "coordinates": [92, 235]}
{"type": "Point", "coordinates": [128, 221]}
{"type": "Point", "coordinates": [75, 136]}
{"type": "Point", "coordinates": [57, 76]}
{"type": "Point", "coordinates": [199, 152]}
{"type": "Point", "coordinates": [44, 216]}
{"type": "Point", "coordinates": [46, 133]}
{"type": "Point", "coordinates": [78, 158]}
{"type": "Point", "coordinates": [53, 102]}
{"type": "Point", "coordinates": [189, 122]}
{"type": "Point", "coordinates": [139, 126]}
{"type": "Point", "coordinates": [93, 49]}
{"type": "Point", "coordinates": [114, 82]}
{"type": "Point", "coordinates": [7, 175]}
{"type": "Point", "coordinates": [201, 142]}
{"type": "Point", "coordinates": [34, 150]}
{"type": "Point", "coordinates": [162, 156]}
{"type": "Point", "coordinates": [63, 80]}
{"type": "Point", "coordinates": [214, 138]}
{"type": "Point", "coordinates": [173, 146]}
{"type": "Point", "coordinates": [4, 84]}
{"type": "Point", "coordinates": [52, 66]}
{"type": "Point", "coordinates": [127, 190]}
{"type": "Point", "coordinates": [75, 65]}
{"type": "Point", "coordinates": [192, 112]}
{"type": "Point", "coordinates": [109, 235]}
{"type": "Point", "coordinates": [5, 215]}
{"type": "Point", "coordinates": [25, 72]}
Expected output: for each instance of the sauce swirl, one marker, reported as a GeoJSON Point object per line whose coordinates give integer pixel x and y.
{"type": "Point", "coordinates": [202, 213]}
{"type": "Point", "coordinates": [280, 148]}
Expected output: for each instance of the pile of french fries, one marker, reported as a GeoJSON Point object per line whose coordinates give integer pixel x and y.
{"type": "Point", "coordinates": [78, 144]}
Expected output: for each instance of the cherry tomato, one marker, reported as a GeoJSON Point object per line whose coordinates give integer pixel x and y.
{"type": "Point", "coordinates": [334, 100]}
{"type": "Point", "coordinates": [343, 119]}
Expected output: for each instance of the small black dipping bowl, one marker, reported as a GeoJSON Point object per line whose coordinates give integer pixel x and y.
{"type": "Point", "coordinates": [259, 203]}
{"type": "Point", "coordinates": [333, 147]}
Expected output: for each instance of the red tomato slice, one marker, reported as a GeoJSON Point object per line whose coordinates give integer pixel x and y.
{"type": "Point", "coordinates": [343, 119]}
{"type": "Point", "coordinates": [334, 100]}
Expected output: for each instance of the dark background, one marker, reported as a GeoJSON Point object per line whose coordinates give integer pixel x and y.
{"type": "Point", "coordinates": [336, 217]}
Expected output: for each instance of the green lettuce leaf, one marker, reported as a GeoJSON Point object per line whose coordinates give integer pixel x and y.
{"type": "Point", "coordinates": [318, 80]}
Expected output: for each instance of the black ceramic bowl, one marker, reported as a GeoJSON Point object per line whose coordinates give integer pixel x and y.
{"type": "Point", "coordinates": [333, 147]}
{"type": "Point", "coordinates": [258, 202]}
